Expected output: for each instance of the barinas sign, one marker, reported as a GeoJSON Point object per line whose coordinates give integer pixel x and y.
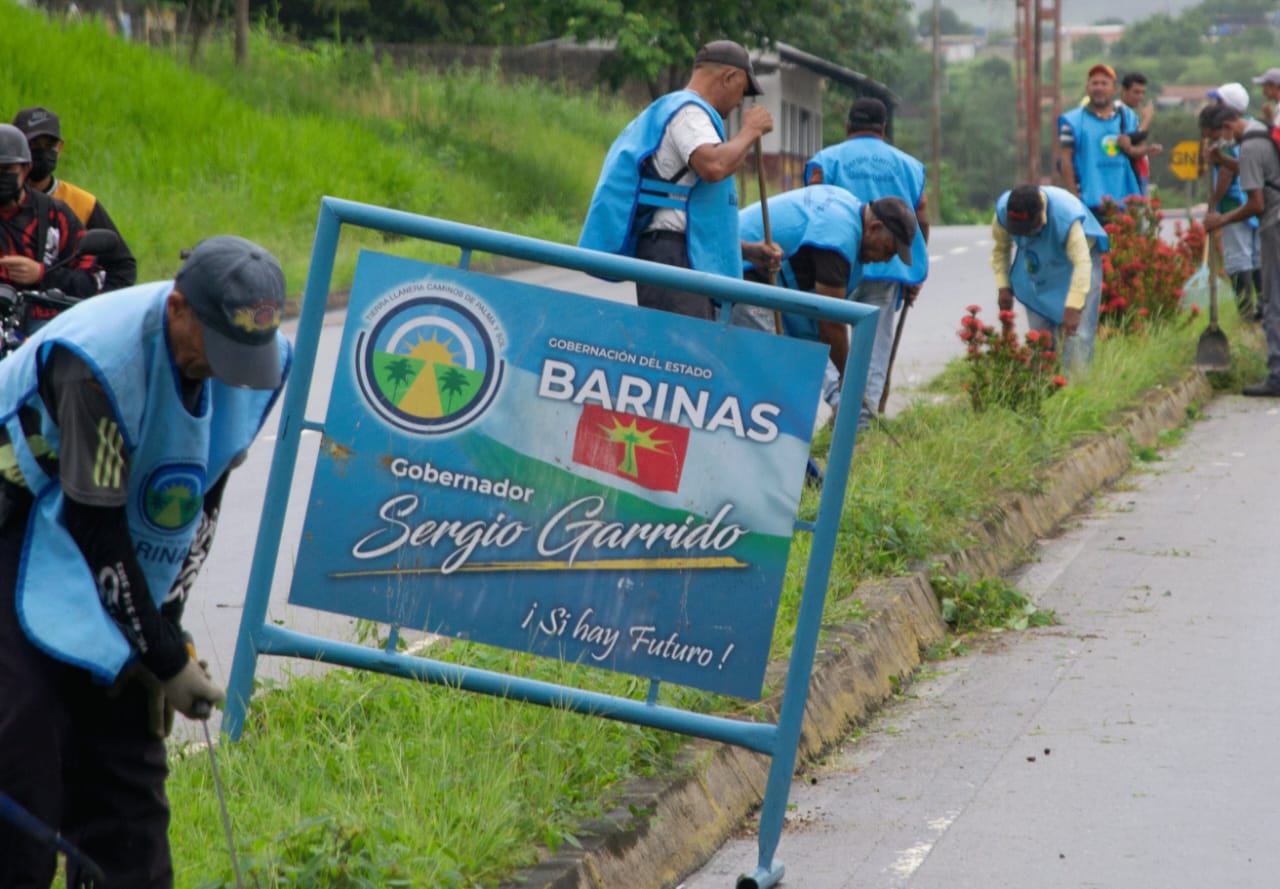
{"type": "Point", "coordinates": [551, 473]}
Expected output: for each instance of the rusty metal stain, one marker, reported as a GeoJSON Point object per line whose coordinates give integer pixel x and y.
{"type": "Point", "coordinates": [340, 453]}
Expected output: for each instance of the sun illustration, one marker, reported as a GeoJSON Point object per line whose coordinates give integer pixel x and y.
{"type": "Point", "coordinates": [433, 351]}
{"type": "Point", "coordinates": [631, 438]}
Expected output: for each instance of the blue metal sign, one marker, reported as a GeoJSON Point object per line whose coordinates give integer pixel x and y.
{"type": "Point", "coordinates": [500, 460]}
{"type": "Point", "coordinates": [548, 472]}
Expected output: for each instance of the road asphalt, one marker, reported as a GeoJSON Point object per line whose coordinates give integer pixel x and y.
{"type": "Point", "coordinates": [1128, 746]}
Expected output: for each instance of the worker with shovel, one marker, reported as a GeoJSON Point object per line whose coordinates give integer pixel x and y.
{"type": "Point", "coordinates": [1056, 272]}
{"type": "Point", "coordinates": [121, 421]}
{"type": "Point", "coordinates": [1260, 181]}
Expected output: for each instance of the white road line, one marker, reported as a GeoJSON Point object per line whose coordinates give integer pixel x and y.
{"type": "Point", "coordinates": [956, 251]}
{"type": "Point", "coordinates": [909, 860]}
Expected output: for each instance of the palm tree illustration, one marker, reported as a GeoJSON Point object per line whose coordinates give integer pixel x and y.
{"type": "Point", "coordinates": [452, 383]}
{"type": "Point", "coordinates": [399, 372]}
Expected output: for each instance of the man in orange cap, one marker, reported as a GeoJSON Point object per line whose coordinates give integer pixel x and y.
{"type": "Point", "coordinates": [1096, 145]}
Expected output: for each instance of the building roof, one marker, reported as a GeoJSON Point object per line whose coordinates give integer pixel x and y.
{"type": "Point", "coordinates": [865, 85]}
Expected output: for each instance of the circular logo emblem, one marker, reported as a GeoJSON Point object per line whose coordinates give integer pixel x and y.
{"type": "Point", "coordinates": [428, 363]}
{"type": "Point", "coordinates": [172, 497]}
{"type": "Point", "coordinates": [1109, 146]}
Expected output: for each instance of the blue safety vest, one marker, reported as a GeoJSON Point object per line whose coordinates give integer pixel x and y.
{"type": "Point", "coordinates": [1040, 273]}
{"type": "Point", "coordinates": [1235, 196]}
{"type": "Point", "coordinates": [173, 458]}
{"type": "Point", "coordinates": [628, 192]}
{"type": "Point", "coordinates": [1102, 169]}
{"type": "Point", "coordinates": [821, 216]}
{"type": "Point", "coordinates": [870, 168]}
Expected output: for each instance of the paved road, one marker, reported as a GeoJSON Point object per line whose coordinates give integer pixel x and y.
{"type": "Point", "coordinates": [961, 275]}
{"type": "Point", "coordinates": [1130, 747]}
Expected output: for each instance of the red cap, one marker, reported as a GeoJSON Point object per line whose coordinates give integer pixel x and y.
{"type": "Point", "coordinates": [1102, 69]}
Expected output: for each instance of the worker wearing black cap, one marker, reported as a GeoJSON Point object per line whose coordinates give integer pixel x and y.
{"type": "Point", "coordinates": [1057, 271]}
{"type": "Point", "coordinates": [43, 130]}
{"type": "Point", "coordinates": [870, 168]}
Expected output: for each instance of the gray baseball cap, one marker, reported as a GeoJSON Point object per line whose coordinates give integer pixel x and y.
{"type": "Point", "coordinates": [236, 289]}
{"type": "Point", "coordinates": [1271, 75]}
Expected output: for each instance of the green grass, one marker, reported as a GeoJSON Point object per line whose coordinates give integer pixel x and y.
{"type": "Point", "coordinates": [468, 788]}
{"type": "Point", "coordinates": [177, 154]}
{"type": "Point", "coordinates": [363, 780]}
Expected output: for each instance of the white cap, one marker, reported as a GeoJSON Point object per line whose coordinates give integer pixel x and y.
{"type": "Point", "coordinates": [1233, 95]}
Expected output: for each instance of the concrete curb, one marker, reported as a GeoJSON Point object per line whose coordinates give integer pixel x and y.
{"type": "Point", "coordinates": [662, 830]}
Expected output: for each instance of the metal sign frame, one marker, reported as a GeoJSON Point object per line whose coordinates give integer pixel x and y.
{"type": "Point", "coordinates": [780, 741]}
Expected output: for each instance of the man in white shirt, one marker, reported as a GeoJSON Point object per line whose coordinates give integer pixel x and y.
{"type": "Point", "coordinates": [666, 192]}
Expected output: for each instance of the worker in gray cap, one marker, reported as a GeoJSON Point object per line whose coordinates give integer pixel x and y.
{"type": "Point", "coordinates": [1269, 80]}
{"type": "Point", "coordinates": [666, 193]}
{"type": "Point", "coordinates": [124, 417]}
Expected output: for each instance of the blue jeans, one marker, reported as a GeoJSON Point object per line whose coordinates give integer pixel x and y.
{"type": "Point", "coordinates": [1077, 351]}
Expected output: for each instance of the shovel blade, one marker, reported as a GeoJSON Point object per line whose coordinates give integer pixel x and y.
{"type": "Point", "coordinates": [1213, 352]}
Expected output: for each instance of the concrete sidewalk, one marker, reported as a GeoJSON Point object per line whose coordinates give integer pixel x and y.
{"type": "Point", "coordinates": [662, 831]}
{"type": "Point", "coordinates": [1131, 746]}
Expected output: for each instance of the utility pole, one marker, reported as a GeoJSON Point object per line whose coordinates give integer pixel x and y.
{"type": "Point", "coordinates": [242, 31]}
{"type": "Point", "coordinates": [1032, 92]}
{"type": "Point", "coordinates": [935, 160]}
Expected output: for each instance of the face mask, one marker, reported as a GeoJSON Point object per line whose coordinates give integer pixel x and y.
{"type": "Point", "coordinates": [43, 163]}
{"type": "Point", "coordinates": [9, 188]}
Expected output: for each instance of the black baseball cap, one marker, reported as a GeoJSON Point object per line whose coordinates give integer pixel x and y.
{"type": "Point", "coordinates": [38, 122]}
{"type": "Point", "coordinates": [236, 289]}
{"type": "Point", "coordinates": [867, 113]}
{"type": "Point", "coordinates": [901, 222]}
{"type": "Point", "coordinates": [1024, 210]}
{"type": "Point", "coordinates": [726, 52]}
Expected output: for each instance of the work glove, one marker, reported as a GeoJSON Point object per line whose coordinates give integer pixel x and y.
{"type": "Point", "coordinates": [191, 691]}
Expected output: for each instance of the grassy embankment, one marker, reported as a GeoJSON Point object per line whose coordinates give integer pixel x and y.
{"type": "Point", "coordinates": [177, 154]}
{"type": "Point", "coordinates": [359, 777]}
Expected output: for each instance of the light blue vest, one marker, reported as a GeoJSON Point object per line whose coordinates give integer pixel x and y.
{"type": "Point", "coordinates": [870, 168]}
{"type": "Point", "coordinates": [1235, 195]}
{"type": "Point", "coordinates": [821, 216]}
{"type": "Point", "coordinates": [1102, 169]}
{"type": "Point", "coordinates": [173, 458]}
{"type": "Point", "coordinates": [1040, 273]}
{"type": "Point", "coordinates": [627, 194]}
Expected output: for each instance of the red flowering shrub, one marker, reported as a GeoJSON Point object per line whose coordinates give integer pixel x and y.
{"type": "Point", "coordinates": [1005, 372]}
{"type": "Point", "coordinates": [1142, 275]}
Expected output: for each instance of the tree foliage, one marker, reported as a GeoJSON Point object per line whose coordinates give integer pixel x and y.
{"type": "Point", "coordinates": [1090, 46]}
{"type": "Point", "coordinates": [656, 39]}
{"type": "Point", "coordinates": [471, 22]}
{"type": "Point", "coordinates": [1163, 35]}
{"type": "Point", "coordinates": [949, 22]}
